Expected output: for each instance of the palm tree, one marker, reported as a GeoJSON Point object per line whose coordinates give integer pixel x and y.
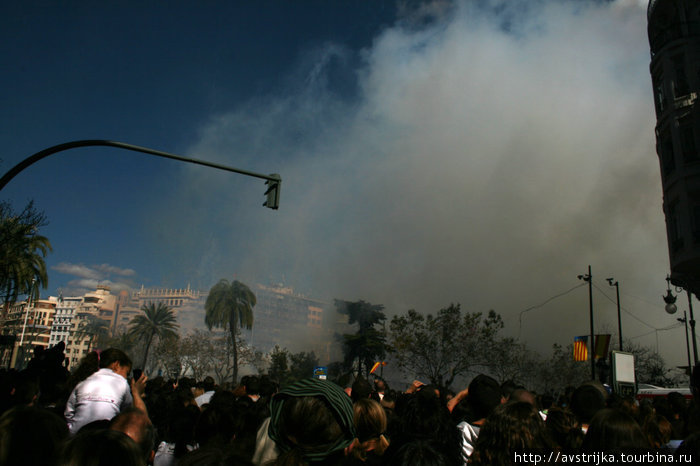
{"type": "Point", "coordinates": [156, 321]}
{"type": "Point", "coordinates": [91, 327]}
{"type": "Point", "coordinates": [227, 306]}
{"type": "Point", "coordinates": [22, 253]}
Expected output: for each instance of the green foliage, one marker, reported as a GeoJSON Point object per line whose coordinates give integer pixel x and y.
{"type": "Point", "coordinates": [512, 360]}
{"type": "Point", "coordinates": [167, 354]}
{"type": "Point", "coordinates": [157, 320]}
{"type": "Point", "coordinates": [203, 353]}
{"type": "Point", "coordinates": [22, 253]}
{"type": "Point", "coordinates": [287, 368]}
{"type": "Point", "coordinates": [228, 306]}
{"type": "Point", "coordinates": [279, 364]}
{"type": "Point", "coordinates": [443, 346]}
{"type": "Point", "coordinates": [651, 368]}
{"type": "Point", "coordinates": [302, 364]}
{"type": "Point", "coordinates": [368, 344]}
{"type": "Point", "coordinates": [561, 371]}
{"type": "Point", "coordinates": [195, 352]}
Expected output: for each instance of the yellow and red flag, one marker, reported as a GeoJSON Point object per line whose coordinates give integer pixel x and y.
{"type": "Point", "coordinates": [581, 348]}
{"type": "Point", "coordinates": [376, 366]}
{"type": "Point", "coordinates": [602, 343]}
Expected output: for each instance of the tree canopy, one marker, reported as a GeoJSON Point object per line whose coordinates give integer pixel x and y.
{"type": "Point", "coordinates": [157, 320]}
{"type": "Point", "coordinates": [287, 368]}
{"type": "Point", "coordinates": [368, 344]}
{"type": "Point", "coordinates": [22, 253]}
{"type": "Point", "coordinates": [443, 346]}
{"type": "Point", "coordinates": [228, 306]}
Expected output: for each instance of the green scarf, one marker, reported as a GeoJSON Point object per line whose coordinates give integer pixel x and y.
{"type": "Point", "coordinates": [336, 399]}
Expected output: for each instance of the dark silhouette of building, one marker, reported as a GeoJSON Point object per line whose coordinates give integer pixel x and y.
{"type": "Point", "coordinates": [674, 38]}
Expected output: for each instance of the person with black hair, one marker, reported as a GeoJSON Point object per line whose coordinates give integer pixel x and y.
{"type": "Point", "coordinates": [252, 387]}
{"type": "Point", "coordinates": [677, 411]}
{"type": "Point", "coordinates": [419, 453]}
{"type": "Point", "coordinates": [209, 387]}
{"type": "Point", "coordinates": [512, 428]}
{"type": "Point", "coordinates": [693, 413]}
{"type": "Point", "coordinates": [220, 422]}
{"type": "Point", "coordinates": [423, 416]}
{"type": "Point", "coordinates": [481, 397]}
{"type": "Point", "coordinates": [612, 431]}
{"type": "Point", "coordinates": [101, 447]}
{"type": "Point", "coordinates": [380, 388]}
{"type": "Point", "coordinates": [586, 401]}
{"type": "Point", "coordinates": [106, 392]}
{"type": "Point", "coordinates": [564, 429]}
{"type": "Point", "coordinates": [360, 389]}
{"type": "Point", "coordinates": [20, 427]}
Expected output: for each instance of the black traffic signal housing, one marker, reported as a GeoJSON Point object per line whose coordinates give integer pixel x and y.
{"type": "Point", "coordinates": [273, 191]}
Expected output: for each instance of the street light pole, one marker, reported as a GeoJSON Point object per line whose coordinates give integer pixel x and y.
{"type": "Point", "coordinates": [619, 316]}
{"type": "Point", "coordinates": [671, 308]}
{"type": "Point", "coordinates": [684, 320]}
{"type": "Point", "coordinates": [692, 326]}
{"type": "Point", "coordinates": [20, 348]}
{"type": "Point", "coordinates": [589, 278]}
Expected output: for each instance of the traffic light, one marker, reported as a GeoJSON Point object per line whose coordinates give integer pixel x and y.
{"type": "Point", "coordinates": [273, 191]}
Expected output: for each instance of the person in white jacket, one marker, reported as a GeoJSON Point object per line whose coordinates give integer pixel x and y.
{"type": "Point", "coordinates": [105, 393]}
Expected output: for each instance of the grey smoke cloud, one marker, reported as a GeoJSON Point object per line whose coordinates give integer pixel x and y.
{"type": "Point", "coordinates": [487, 158]}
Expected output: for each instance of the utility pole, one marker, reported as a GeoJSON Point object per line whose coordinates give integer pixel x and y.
{"type": "Point", "coordinates": [589, 278]}
{"type": "Point", "coordinates": [619, 316]}
{"type": "Point", "coordinates": [671, 308]}
{"type": "Point", "coordinates": [20, 348]}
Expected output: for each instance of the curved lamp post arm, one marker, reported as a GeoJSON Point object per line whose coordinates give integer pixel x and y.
{"type": "Point", "coordinates": [122, 145]}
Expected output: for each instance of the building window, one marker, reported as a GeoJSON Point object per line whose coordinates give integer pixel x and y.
{"type": "Point", "coordinates": [659, 96]}
{"type": "Point", "coordinates": [680, 80]}
{"type": "Point", "coordinates": [695, 215]}
{"type": "Point", "coordinates": [674, 232]}
{"type": "Point", "coordinates": [668, 163]}
{"type": "Point", "coordinates": [686, 132]}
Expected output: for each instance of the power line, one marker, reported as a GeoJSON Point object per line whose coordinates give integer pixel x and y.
{"type": "Point", "coordinates": [520, 316]}
{"type": "Point", "coordinates": [670, 327]}
{"type": "Point", "coordinates": [622, 308]}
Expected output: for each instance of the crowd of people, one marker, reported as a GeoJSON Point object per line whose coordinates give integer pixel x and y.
{"type": "Point", "coordinates": [103, 414]}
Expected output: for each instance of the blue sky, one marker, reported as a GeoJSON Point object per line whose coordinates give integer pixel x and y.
{"type": "Point", "coordinates": [482, 152]}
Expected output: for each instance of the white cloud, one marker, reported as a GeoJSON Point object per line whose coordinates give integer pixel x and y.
{"type": "Point", "coordinates": [89, 277]}
{"type": "Point", "coordinates": [110, 269]}
{"type": "Point", "coordinates": [78, 270]}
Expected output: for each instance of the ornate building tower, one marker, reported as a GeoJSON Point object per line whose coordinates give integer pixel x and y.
{"type": "Point", "coordinates": [674, 38]}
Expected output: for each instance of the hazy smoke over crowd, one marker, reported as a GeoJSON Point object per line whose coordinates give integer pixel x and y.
{"type": "Point", "coordinates": [481, 152]}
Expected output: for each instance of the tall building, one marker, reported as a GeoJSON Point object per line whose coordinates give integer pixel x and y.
{"type": "Point", "coordinates": [73, 317]}
{"type": "Point", "coordinates": [102, 304]}
{"type": "Point", "coordinates": [30, 324]}
{"type": "Point", "coordinates": [66, 309]}
{"type": "Point", "coordinates": [290, 320]}
{"type": "Point", "coordinates": [674, 39]}
{"type": "Point", "coordinates": [187, 305]}
{"type": "Point", "coordinates": [281, 317]}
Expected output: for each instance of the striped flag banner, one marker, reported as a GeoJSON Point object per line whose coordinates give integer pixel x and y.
{"type": "Point", "coordinates": [376, 366]}
{"type": "Point", "coordinates": [581, 348]}
{"type": "Point", "coordinates": [602, 343]}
